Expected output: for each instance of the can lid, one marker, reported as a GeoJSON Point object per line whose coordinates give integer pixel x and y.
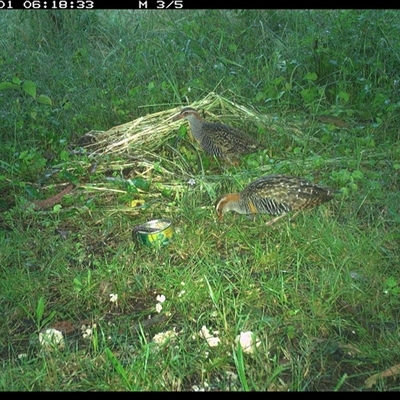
{"type": "Point", "coordinates": [151, 227]}
{"type": "Point", "coordinates": [155, 225]}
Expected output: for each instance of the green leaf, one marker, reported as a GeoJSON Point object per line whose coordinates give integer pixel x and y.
{"type": "Point", "coordinates": [259, 96]}
{"type": "Point", "coordinates": [23, 155]}
{"type": "Point", "coordinates": [16, 80]}
{"type": "Point", "coordinates": [357, 174]}
{"type": "Point", "coordinates": [166, 192]}
{"type": "Point", "coordinates": [311, 76]}
{"type": "Point", "coordinates": [118, 367]}
{"type": "Point", "coordinates": [30, 88]}
{"type": "Point", "coordinates": [291, 332]}
{"type": "Point", "coordinates": [240, 367]}
{"type": "Point", "coordinates": [297, 150]}
{"type": "Point", "coordinates": [48, 318]}
{"type": "Point", "coordinates": [278, 80]}
{"type": "Point", "coordinates": [64, 155]}
{"type": "Point", "coordinates": [57, 208]}
{"type": "Point", "coordinates": [233, 47]}
{"type": "Point", "coordinates": [141, 183]}
{"type": "Point", "coordinates": [31, 191]}
{"type": "Point", "coordinates": [77, 284]}
{"type": "Point", "coordinates": [43, 99]}
{"type": "Point", "coordinates": [8, 85]}
{"type": "Point", "coordinates": [309, 95]}
{"type": "Point", "coordinates": [395, 290]}
{"type": "Point", "coordinates": [157, 166]}
{"type": "Point", "coordinates": [40, 310]}
{"type": "Point", "coordinates": [391, 282]}
{"type": "Point", "coordinates": [344, 95]}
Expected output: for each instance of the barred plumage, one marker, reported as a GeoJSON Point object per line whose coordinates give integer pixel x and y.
{"type": "Point", "coordinates": [218, 139]}
{"type": "Point", "coordinates": [274, 195]}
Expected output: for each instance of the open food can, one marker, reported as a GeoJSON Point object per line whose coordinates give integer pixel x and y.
{"type": "Point", "coordinates": [155, 233]}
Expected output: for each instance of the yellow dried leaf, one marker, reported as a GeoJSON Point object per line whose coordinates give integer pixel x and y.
{"type": "Point", "coordinates": [136, 203]}
{"type": "Point", "coordinates": [392, 371]}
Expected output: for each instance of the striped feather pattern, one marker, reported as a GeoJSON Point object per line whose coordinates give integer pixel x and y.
{"type": "Point", "coordinates": [275, 195]}
{"type": "Point", "coordinates": [218, 139]}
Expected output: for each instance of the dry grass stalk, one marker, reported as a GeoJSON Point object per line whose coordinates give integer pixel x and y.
{"type": "Point", "coordinates": [151, 131]}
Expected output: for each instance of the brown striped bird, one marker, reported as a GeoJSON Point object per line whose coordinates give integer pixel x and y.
{"type": "Point", "coordinates": [275, 195]}
{"type": "Point", "coordinates": [218, 139]}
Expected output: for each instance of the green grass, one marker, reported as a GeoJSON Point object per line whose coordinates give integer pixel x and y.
{"type": "Point", "coordinates": [321, 291]}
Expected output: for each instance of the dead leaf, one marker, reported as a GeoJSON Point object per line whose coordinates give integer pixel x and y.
{"type": "Point", "coordinates": [331, 119]}
{"type": "Point", "coordinates": [392, 371]}
{"type": "Point", "coordinates": [135, 203]}
{"type": "Point", "coordinates": [67, 327]}
{"type": "Point", "coordinates": [51, 201]}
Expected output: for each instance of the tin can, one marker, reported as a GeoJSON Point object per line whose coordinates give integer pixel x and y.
{"type": "Point", "coordinates": [155, 233]}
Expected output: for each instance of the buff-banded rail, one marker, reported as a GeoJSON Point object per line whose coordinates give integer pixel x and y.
{"type": "Point", "coordinates": [217, 139]}
{"type": "Point", "coordinates": [275, 195]}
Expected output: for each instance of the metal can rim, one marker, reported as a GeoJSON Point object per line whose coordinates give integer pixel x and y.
{"type": "Point", "coordinates": [152, 224]}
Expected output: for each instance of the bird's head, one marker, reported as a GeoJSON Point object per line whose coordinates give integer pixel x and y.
{"type": "Point", "coordinates": [226, 203]}
{"type": "Point", "coordinates": [187, 113]}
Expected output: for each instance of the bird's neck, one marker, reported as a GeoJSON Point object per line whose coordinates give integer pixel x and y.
{"type": "Point", "coordinates": [196, 125]}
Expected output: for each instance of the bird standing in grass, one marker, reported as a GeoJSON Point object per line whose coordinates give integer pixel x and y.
{"type": "Point", "coordinates": [218, 139]}
{"type": "Point", "coordinates": [274, 195]}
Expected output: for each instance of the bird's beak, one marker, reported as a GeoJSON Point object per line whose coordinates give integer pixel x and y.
{"type": "Point", "coordinates": [178, 116]}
